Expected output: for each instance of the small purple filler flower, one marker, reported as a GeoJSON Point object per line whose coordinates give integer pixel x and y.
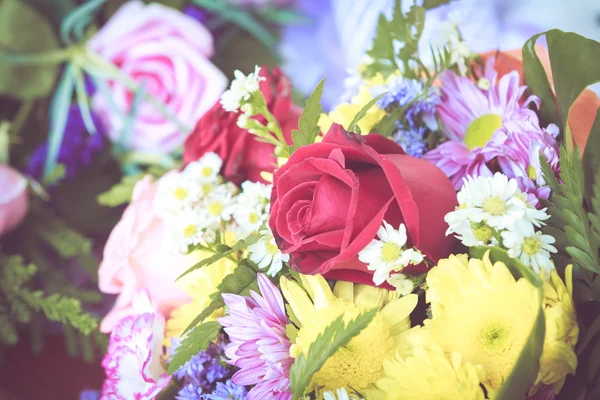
{"type": "Point", "coordinates": [227, 391]}
{"type": "Point", "coordinates": [77, 149]}
{"type": "Point", "coordinates": [259, 346]}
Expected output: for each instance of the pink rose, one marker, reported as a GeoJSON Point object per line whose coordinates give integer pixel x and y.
{"type": "Point", "coordinates": [136, 263]}
{"type": "Point", "coordinates": [167, 52]}
{"type": "Point", "coordinates": [13, 198]}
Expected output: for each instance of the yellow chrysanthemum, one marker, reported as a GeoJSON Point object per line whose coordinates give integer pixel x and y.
{"type": "Point", "coordinates": [199, 285]}
{"type": "Point", "coordinates": [343, 114]}
{"type": "Point", "coordinates": [558, 358]}
{"type": "Point", "coordinates": [359, 364]}
{"type": "Point", "coordinates": [480, 311]}
{"type": "Point", "coordinates": [428, 374]}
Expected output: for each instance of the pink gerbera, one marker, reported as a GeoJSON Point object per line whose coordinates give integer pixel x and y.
{"type": "Point", "coordinates": [259, 346]}
{"type": "Point", "coordinates": [487, 121]}
{"type": "Point", "coordinates": [132, 363]}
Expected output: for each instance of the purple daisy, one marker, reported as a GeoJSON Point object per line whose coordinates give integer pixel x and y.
{"type": "Point", "coordinates": [259, 346]}
{"type": "Point", "coordinates": [487, 121]}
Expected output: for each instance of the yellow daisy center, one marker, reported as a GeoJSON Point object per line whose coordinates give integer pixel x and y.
{"type": "Point", "coordinates": [531, 246]}
{"type": "Point", "coordinates": [390, 252]}
{"type": "Point", "coordinates": [207, 188]}
{"type": "Point", "coordinates": [358, 364]}
{"type": "Point", "coordinates": [272, 248]}
{"type": "Point", "coordinates": [190, 230]}
{"type": "Point", "coordinates": [481, 130]}
{"type": "Point", "coordinates": [495, 205]}
{"type": "Point", "coordinates": [253, 218]}
{"type": "Point", "coordinates": [216, 208]}
{"type": "Point", "coordinates": [531, 172]}
{"type": "Point", "coordinates": [207, 171]}
{"type": "Point", "coordinates": [482, 232]}
{"type": "Point", "coordinates": [181, 193]}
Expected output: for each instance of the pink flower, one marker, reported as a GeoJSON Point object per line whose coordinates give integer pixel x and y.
{"type": "Point", "coordinates": [13, 198]}
{"type": "Point", "coordinates": [485, 124]}
{"type": "Point", "coordinates": [166, 52]}
{"type": "Point", "coordinates": [132, 363]}
{"type": "Point", "coordinates": [259, 346]}
{"type": "Point", "coordinates": [135, 260]}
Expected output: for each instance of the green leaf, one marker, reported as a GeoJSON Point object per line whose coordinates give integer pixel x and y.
{"type": "Point", "coordinates": [336, 335]}
{"type": "Point", "coordinates": [240, 281]}
{"type": "Point", "coordinates": [308, 127]}
{"type": "Point", "coordinates": [57, 174]}
{"type": "Point", "coordinates": [282, 16]}
{"type": "Point", "coordinates": [363, 111]}
{"type": "Point", "coordinates": [23, 30]}
{"type": "Point", "coordinates": [537, 81]}
{"type": "Point", "coordinates": [416, 18]}
{"type": "Point", "coordinates": [382, 51]}
{"type": "Point", "coordinates": [56, 233]}
{"type": "Point", "coordinates": [429, 4]}
{"type": "Point", "coordinates": [526, 368]}
{"type": "Point", "coordinates": [239, 246]}
{"type": "Point", "coordinates": [198, 339]}
{"type": "Point", "coordinates": [120, 193]}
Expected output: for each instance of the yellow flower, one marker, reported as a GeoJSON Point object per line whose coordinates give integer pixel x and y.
{"type": "Point", "coordinates": [199, 285]}
{"type": "Point", "coordinates": [343, 114]}
{"type": "Point", "coordinates": [558, 358]}
{"type": "Point", "coordinates": [428, 374]}
{"type": "Point", "coordinates": [481, 312]}
{"type": "Point", "coordinates": [359, 364]}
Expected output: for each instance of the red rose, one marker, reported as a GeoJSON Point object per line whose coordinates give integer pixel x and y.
{"type": "Point", "coordinates": [244, 157]}
{"type": "Point", "coordinates": [330, 198]}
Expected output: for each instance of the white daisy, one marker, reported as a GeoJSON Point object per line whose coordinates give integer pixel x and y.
{"type": "Point", "coordinates": [249, 218]}
{"type": "Point", "coordinates": [388, 254]}
{"type": "Point", "coordinates": [265, 253]}
{"type": "Point", "coordinates": [175, 193]}
{"type": "Point", "coordinates": [187, 229]}
{"type": "Point", "coordinates": [241, 89]}
{"type": "Point", "coordinates": [532, 248]}
{"type": "Point", "coordinates": [404, 284]}
{"type": "Point", "coordinates": [532, 214]}
{"type": "Point", "coordinates": [218, 205]}
{"type": "Point", "coordinates": [500, 206]}
{"type": "Point", "coordinates": [255, 192]}
{"type": "Point", "coordinates": [205, 170]}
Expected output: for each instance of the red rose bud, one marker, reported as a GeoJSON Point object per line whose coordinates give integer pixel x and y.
{"type": "Point", "coordinates": [330, 198]}
{"type": "Point", "coordinates": [244, 157]}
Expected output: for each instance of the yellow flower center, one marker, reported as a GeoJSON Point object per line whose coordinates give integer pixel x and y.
{"type": "Point", "coordinates": [253, 218]}
{"type": "Point", "coordinates": [207, 188]}
{"type": "Point", "coordinates": [181, 193]}
{"type": "Point", "coordinates": [207, 171]}
{"type": "Point", "coordinates": [482, 232]}
{"type": "Point", "coordinates": [531, 246]}
{"type": "Point", "coordinates": [493, 336]}
{"type": "Point", "coordinates": [531, 173]}
{"type": "Point", "coordinates": [495, 205]}
{"type": "Point", "coordinates": [390, 252]}
{"type": "Point", "coordinates": [356, 365]}
{"type": "Point", "coordinates": [216, 208]}
{"type": "Point", "coordinates": [481, 130]}
{"type": "Point", "coordinates": [272, 248]}
{"type": "Point", "coordinates": [190, 230]}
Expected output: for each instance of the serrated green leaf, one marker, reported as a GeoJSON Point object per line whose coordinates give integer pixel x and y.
{"type": "Point", "coordinates": [120, 193]}
{"type": "Point", "coordinates": [591, 160]}
{"type": "Point", "coordinates": [56, 233]}
{"type": "Point", "coordinates": [308, 127]}
{"type": "Point", "coordinates": [526, 368]}
{"type": "Point", "coordinates": [240, 281]}
{"type": "Point", "coordinates": [583, 259]}
{"type": "Point", "coordinates": [429, 4]}
{"type": "Point", "coordinates": [239, 246]}
{"type": "Point", "coordinates": [416, 18]}
{"type": "Point", "coordinates": [389, 123]}
{"type": "Point", "coordinates": [336, 335]}
{"type": "Point", "coordinates": [198, 339]}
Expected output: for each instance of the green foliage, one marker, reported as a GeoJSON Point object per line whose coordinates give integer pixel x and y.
{"type": "Point", "coordinates": [429, 4]}
{"type": "Point", "coordinates": [573, 60]}
{"type": "Point", "coordinates": [197, 339]}
{"type": "Point", "coordinates": [23, 30]}
{"type": "Point", "coordinates": [336, 335]}
{"type": "Point", "coordinates": [121, 192]}
{"type": "Point", "coordinates": [396, 45]}
{"type": "Point", "coordinates": [240, 281]}
{"type": "Point", "coordinates": [308, 128]}
{"type": "Point", "coordinates": [526, 368]}
{"type": "Point", "coordinates": [222, 252]}
{"type": "Point", "coordinates": [353, 127]}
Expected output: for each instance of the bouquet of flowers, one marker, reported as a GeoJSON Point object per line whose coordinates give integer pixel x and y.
{"type": "Point", "coordinates": [436, 235]}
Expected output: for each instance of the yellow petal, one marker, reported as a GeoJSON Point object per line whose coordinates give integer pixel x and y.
{"type": "Point", "coordinates": [298, 300]}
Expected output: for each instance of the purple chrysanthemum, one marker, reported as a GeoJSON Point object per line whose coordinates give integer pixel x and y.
{"type": "Point", "coordinates": [227, 391]}
{"type": "Point", "coordinates": [78, 147]}
{"type": "Point", "coordinates": [259, 346]}
{"type": "Point", "coordinates": [487, 121]}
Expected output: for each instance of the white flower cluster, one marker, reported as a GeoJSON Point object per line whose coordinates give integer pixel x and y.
{"type": "Point", "coordinates": [198, 208]}
{"type": "Point", "coordinates": [389, 254]}
{"type": "Point", "coordinates": [493, 211]}
{"type": "Point", "coordinates": [240, 90]}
